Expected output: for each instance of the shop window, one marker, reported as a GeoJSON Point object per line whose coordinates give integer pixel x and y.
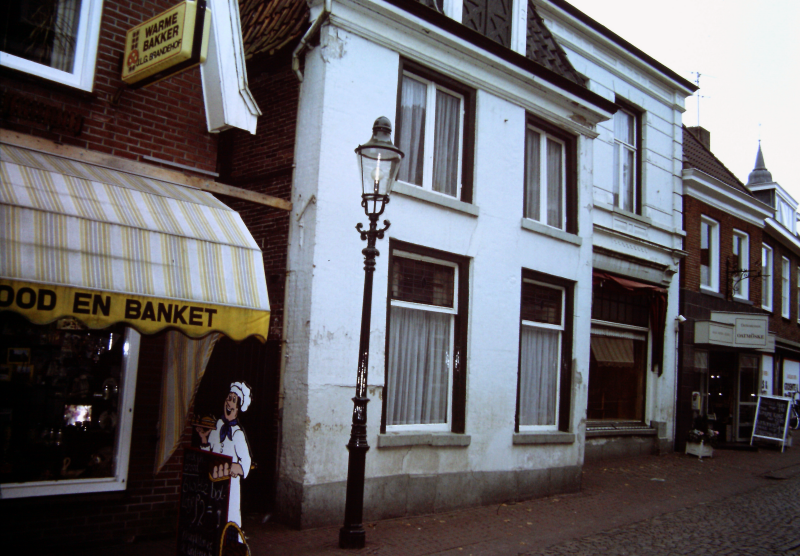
{"type": "Point", "coordinates": [740, 263]}
{"type": "Point", "coordinates": [785, 288]}
{"type": "Point", "coordinates": [550, 191]}
{"type": "Point", "coordinates": [766, 277]}
{"type": "Point", "coordinates": [627, 177]}
{"type": "Point", "coordinates": [617, 375]}
{"type": "Point", "coordinates": [426, 339]}
{"type": "Point", "coordinates": [709, 254]}
{"type": "Point", "coordinates": [435, 119]}
{"type": "Point", "coordinates": [67, 406]}
{"type": "Point", "coordinates": [53, 39]}
{"type": "Point", "coordinates": [541, 353]}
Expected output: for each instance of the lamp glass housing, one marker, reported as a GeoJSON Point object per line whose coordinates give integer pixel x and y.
{"type": "Point", "coordinates": [378, 163]}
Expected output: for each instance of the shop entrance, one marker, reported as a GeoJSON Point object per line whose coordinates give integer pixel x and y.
{"type": "Point", "coordinates": [733, 394]}
{"type": "Point", "coordinates": [258, 365]}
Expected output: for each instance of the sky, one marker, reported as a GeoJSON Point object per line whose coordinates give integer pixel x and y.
{"type": "Point", "coordinates": [748, 57]}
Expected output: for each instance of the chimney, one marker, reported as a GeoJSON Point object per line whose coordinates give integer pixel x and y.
{"type": "Point", "coordinates": [702, 134]}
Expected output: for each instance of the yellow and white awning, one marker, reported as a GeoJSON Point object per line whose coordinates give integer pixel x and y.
{"type": "Point", "coordinates": [108, 246]}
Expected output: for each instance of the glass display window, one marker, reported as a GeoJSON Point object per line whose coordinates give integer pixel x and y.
{"type": "Point", "coordinates": [66, 406]}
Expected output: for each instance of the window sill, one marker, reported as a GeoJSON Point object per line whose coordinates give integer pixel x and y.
{"type": "Point", "coordinates": [539, 228]}
{"type": "Point", "coordinates": [742, 300]}
{"type": "Point", "coordinates": [437, 439]}
{"type": "Point", "coordinates": [631, 215]}
{"type": "Point", "coordinates": [711, 292]}
{"type": "Point", "coordinates": [435, 198]}
{"type": "Point", "coordinates": [528, 438]}
{"type": "Point", "coordinates": [618, 428]}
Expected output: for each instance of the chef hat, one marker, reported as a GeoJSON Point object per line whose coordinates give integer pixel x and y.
{"type": "Point", "coordinates": [242, 390]}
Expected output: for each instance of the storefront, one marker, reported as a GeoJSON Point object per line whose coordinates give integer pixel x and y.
{"type": "Point", "coordinates": [92, 257]}
{"type": "Point", "coordinates": [733, 354]}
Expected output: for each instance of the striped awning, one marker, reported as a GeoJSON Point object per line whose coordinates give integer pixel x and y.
{"type": "Point", "coordinates": [108, 246]}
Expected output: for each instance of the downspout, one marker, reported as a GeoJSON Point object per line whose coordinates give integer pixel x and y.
{"type": "Point", "coordinates": [326, 12]}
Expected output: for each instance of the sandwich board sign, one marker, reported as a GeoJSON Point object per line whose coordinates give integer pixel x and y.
{"type": "Point", "coordinates": [772, 419]}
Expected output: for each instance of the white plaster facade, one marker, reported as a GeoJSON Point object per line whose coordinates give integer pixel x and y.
{"type": "Point", "coordinates": [349, 79]}
{"type": "Point", "coordinates": [646, 246]}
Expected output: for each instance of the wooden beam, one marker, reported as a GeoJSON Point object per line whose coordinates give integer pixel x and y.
{"type": "Point", "coordinates": [139, 168]}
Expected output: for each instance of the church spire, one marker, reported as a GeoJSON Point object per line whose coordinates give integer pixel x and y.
{"type": "Point", "coordinates": [760, 174]}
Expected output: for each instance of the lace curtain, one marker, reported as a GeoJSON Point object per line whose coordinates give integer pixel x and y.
{"type": "Point", "coordinates": [419, 366]}
{"type": "Point", "coordinates": [538, 382]}
{"type": "Point", "coordinates": [413, 99]}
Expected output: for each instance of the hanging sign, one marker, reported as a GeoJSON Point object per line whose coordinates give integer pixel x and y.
{"type": "Point", "coordinates": [169, 43]}
{"type": "Point", "coordinates": [772, 419]}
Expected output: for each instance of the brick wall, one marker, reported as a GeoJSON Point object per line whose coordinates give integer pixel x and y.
{"type": "Point", "coordinates": [690, 269]}
{"type": "Point", "coordinates": [165, 120]}
{"type": "Point", "coordinates": [783, 327]}
{"type": "Point", "coordinates": [264, 162]}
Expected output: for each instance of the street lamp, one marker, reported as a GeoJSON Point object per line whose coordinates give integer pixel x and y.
{"type": "Point", "coordinates": [378, 160]}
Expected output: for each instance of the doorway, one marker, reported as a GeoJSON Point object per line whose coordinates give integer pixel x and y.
{"type": "Point", "coordinates": [733, 380]}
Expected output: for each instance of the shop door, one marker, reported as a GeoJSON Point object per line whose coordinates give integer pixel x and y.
{"type": "Point", "coordinates": [747, 396]}
{"type": "Point", "coordinates": [258, 365]}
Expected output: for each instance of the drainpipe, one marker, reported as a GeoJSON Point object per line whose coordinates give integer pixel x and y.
{"type": "Point", "coordinates": [298, 51]}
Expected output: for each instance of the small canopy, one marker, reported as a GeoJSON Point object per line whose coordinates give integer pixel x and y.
{"type": "Point", "coordinates": [107, 246]}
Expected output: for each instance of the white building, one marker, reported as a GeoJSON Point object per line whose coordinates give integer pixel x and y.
{"type": "Point", "coordinates": [480, 358]}
{"type": "Point", "coordinates": [637, 218]}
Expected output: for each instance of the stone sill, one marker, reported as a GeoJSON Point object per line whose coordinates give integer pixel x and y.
{"type": "Point", "coordinates": [437, 439]}
{"type": "Point", "coordinates": [528, 438]}
{"type": "Point", "coordinates": [610, 431]}
{"type": "Point", "coordinates": [538, 227]}
{"type": "Point", "coordinates": [421, 194]}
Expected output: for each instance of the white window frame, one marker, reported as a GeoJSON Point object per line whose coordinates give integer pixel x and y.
{"type": "Point", "coordinates": [430, 134]}
{"type": "Point", "coordinates": [130, 365]}
{"type": "Point", "coordinates": [786, 273]}
{"type": "Point", "coordinates": [88, 38]}
{"type": "Point", "coordinates": [713, 255]}
{"type": "Point", "coordinates": [545, 326]}
{"type": "Point", "coordinates": [453, 312]}
{"type": "Point", "coordinates": [544, 138]}
{"type": "Point", "coordinates": [634, 148]}
{"type": "Point", "coordinates": [744, 264]}
{"type": "Point", "coordinates": [766, 277]}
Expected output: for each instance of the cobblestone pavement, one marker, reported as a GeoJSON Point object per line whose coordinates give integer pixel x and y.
{"type": "Point", "coordinates": [736, 503]}
{"type": "Point", "coordinates": [765, 521]}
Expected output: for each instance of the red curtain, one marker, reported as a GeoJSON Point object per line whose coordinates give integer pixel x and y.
{"type": "Point", "coordinates": [658, 307]}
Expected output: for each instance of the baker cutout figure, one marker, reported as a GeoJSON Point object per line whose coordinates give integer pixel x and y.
{"type": "Point", "coordinates": [229, 439]}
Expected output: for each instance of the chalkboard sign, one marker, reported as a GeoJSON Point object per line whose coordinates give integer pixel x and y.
{"type": "Point", "coordinates": [772, 419]}
{"type": "Point", "coordinates": [204, 504]}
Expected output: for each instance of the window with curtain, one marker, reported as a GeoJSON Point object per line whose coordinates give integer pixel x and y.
{"type": "Point", "coordinates": [541, 343]}
{"type": "Point", "coordinates": [741, 263]}
{"type": "Point", "coordinates": [766, 277]}
{"type": "Point", "coordinates": [54, 39]}
{"type": "Point", "coordinates": [423, 313]}
{"type": "Point", "coordinates": [617, 375]}
{"type": "Point", "coordinates": [626, 178]}
{"type": "Point", "coordinates": [434, 116]}
{"type": "Point", "coordinates": [545, 175]}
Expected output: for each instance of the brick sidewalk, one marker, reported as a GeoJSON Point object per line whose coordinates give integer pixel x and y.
{"type": "Point", "coordinates": [614, 493]}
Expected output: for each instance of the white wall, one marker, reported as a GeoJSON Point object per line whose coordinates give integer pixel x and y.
{"type": "Point", "coordinates": [349, 81]}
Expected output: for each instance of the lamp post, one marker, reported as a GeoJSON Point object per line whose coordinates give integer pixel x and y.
{"type": "Point", "coordinates": [378, 160]}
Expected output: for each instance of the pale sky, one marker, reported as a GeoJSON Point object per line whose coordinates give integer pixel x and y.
{"type": "Point", "coordinates": [748, 55]}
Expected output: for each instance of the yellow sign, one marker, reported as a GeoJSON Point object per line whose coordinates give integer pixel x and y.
{"type": "Point", "coordinates": [173, 41]}
{"type": "Point", "coordinates": [42, 304]}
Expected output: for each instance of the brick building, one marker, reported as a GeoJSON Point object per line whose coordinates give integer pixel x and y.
{"type": "Point", "coordinates": [106, 199]}
{"type": "Point", "coordinates": [728, 339]}
{"type": "Point", "coordinates": [780, 270]}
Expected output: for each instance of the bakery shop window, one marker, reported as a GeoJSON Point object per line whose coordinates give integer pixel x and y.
{"type": "Point", "coordinates": [66, 406]}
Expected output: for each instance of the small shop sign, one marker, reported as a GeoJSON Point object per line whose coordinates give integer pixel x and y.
{"type": "Point", "coordinates": [169, 43]}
